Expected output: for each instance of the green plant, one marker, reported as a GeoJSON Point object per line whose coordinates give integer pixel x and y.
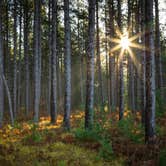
{"type": "Point", "coordinates": [162, 158]}
{"type": "Point", "coordinates": [62, 163]}
{"type": "Point", "coordinates": [35, 135]}
{"type": "Point", "coordinates": [159, 104]}
{"type": "Point", "coordinates": [132, 130]}
{"type": "Point", "coordinates": [106, 150]}
{"type": "Point", "coordinates": [17, 125]}
{"type": "Point", "coordinates": [86, 135]}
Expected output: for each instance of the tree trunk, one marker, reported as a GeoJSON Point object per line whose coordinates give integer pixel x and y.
{"type": "Point", "coordinates": [15, 60]}
{"type": "Point", "coordinates": [19, 62]}
{"type": "Point", "coordinates": [107, 58]}
{"type": "Point", "coordinates": [49, 56]}
{"type": "Point", "coordinates": [37, 58]}
{"type": "Point", "coordinates": [121, 82]}
{"type": "Point", "coordinates": [150, 74]}
{"type": "Point", "coordinates": [143, 63]}
{"type": "Point", "coordinates": [67, 64]}
{"type": "Point", "coordinates": [112, 56]}
{"type": "Point", "coordinates": [1, 68]}
{"type": "Point", "coordinates": [159, 80]}
{"type": "Point", "coordinates": [54, 65]}
{"type": "Point", "coordinates": [90, 67]}
{"type": "Point", "coordinates": [101, 97]}
{"type": "Point", "coordinates": [26, 55]}
{"type": "Point", "coordinates": [81, 58]}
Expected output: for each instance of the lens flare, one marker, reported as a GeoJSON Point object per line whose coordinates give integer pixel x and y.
{"type": "Point", "coordinates": [124, 42]}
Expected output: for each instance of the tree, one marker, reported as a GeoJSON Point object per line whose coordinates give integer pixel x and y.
{"type": "Point", "coordinates": [15, 60]}
{"type": "Point", "coordinates": [112, 56]}
{"type": "Point", "coordinates": [121, 83]}
{"type": "Point", "coordinates": [90, 67]}
{"type": "Point", "coordinates": [159, 80]}
{"type": "Point", "coordinates": [53, 64]}
{"type": "Point", "coordinates": [143, 63]}
{"type": "Point", "coordinates": [150, 74]}
{"type": "Point", "coordinates": [26, 55]}
{"type": "Point", "coordinates": [98, 55]}
{"type": "Point", "coordinates": [67, 65]}
{"type": "Point", "coordinates": [1, 67]}
{"type": "Point", "coordinates": [37, 58]}
{"type": "Point", "coordinates": [19, 61]}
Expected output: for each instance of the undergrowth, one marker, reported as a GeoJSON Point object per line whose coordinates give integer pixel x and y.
{"type": "Point", "coordinates": [132, 130]}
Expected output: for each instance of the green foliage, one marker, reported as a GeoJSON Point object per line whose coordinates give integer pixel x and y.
{"type": "Point", "coordinates": [98, 134]}
{"type": "Point", "coordinates": [106, 150]}
{"type": "Point", "coordinates": [35, 135]}
{"type": "Point", "coordinates": [159, 104]}
{"type": "Point", "coordinates": [86, 135]}
{"type": "Point", "coordinates": [131, 130]}
{"type": "Point", "coordinates": [162, 158]}
{"type": "Point", "coordinates": [62, 163]}
{"type": "Point", "coordinates": [17, 125]}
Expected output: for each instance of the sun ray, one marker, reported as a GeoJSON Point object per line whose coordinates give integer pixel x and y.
{"type": "Point", "coordinates": [121, 54]}
{"type": "Point", "coordinates": [139, 46]}
{"type": "Point", "coordinates": [136, 36]}
{"type": "Point", "coordinates": [115, 48]}
{"type": "Point", "coordinates": [115, 40]}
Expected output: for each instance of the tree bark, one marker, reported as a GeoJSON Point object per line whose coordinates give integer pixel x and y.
{"type": "Point", "coordinates": [26, 55]}
{"type": "Point", "coordinates": [90, 67]}
{"type": "Point", "coordinates": [101, 97]}
{"type": "Point", "coordinates": [53, 64]}
{"type": "Point", "coordinates": [150, 74]}
{"type": "Point", "coordinates": [1, 68]}
{"type": "Point", "coordinates": [37, 58]}
{"type": "Point", "coordinates": [159, 80]}
{"type": "Point", "coordinates": [143, 64]}
{"type": "Point", "coordinates": [121, 82]}
{"type": "Point", "coordinates": [67, 64]}
{"type": "Point", "coordinates": [15, 60]}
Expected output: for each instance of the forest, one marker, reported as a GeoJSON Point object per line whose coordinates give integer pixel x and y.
{"type": "Point", "coordinates": [83, 82]}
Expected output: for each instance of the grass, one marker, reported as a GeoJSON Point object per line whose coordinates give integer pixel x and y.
{"type": "Point", "coordinates": [111, 142]}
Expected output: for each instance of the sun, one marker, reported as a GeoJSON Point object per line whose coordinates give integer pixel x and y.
{"type": "Point", "coordinates": [124, 42]}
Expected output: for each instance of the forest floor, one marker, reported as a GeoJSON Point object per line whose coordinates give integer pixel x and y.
{"type": "Point", "coordinates": [110, 142]}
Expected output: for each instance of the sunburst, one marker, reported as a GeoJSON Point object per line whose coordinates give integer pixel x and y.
{"type": "Point", "coordinates": [124, 43]}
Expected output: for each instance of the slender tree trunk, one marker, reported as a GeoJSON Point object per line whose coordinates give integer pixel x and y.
{"type": "Point", "coordinates": [98, 55]}
{"type": "Point", "coordinates": [112, 57]}
{"type": "Point", "coordinates": [121, 82]}
{"type": "Point", "coordinates": [81, 58]}
{"type": "Point", "coordinates": [19, 62]}
{"type": "Point", "coordinates": [67, 60]}
{"type": "Point", "coordinates": [49, 56]}
{"type": "Point", "coordinates": [54, 65]}
{"type": "Point", "coordinates": [143, 63]}
{"type": "Point", "coordinates": [26, 55]}
{"type": "Point", "coordinates": [107, 58]}
{"type": "Point", "coordinates": [90, 67]}
{"type": "Point", "coordinates": [37, 61]}
{"type": "Point", "coordinates": [15, 60]}
{"type": "Point", "coordinates": [1, 68]}
{"type": "Point", "coordinates": [159, 80]}
{"type": "Point", "coordinates": [150, 74]}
